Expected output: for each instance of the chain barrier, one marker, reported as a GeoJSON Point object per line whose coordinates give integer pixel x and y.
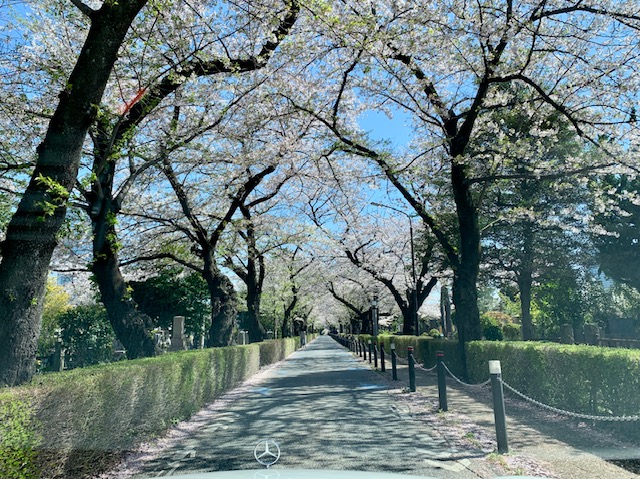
{"type": "Point", "coordinates": [429, 370]}
{"type": "Point", "coordinates": [406, 361]}
{"type": "Point", "coordinates": [460, 381]}
{"type": "Point", "coordinates": [588, 417]}
{"type": "Point", "coordinates": [397, 355]}
{"type": "Point", "coordinates": [401, 359]}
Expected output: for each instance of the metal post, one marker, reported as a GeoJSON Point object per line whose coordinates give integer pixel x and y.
{"type": "Point", "coordinates": [382, 365]}
{"type": "Point", "coordinates": [370, 352]}
{"type": "Point", "coordinates": [412, 370]}
{"type": "Point", "coordinates": [495, 371]}
{"type": "Point", "coordinates": [394, 365]}
{"type": "Point", "coordinates": [364, 351]}
{"type": "Point", "coordinates": [442, 381]}
{"type": "Point", "coordinates": [375, 356]}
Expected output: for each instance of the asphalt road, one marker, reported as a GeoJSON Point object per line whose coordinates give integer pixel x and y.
{"type": "Point", "coordinates": [327, 410]}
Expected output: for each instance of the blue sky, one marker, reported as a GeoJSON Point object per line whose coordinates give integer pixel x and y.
{"type": "Point", "coordinates": [382, 128]}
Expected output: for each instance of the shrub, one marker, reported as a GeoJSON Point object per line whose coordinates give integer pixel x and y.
{"type": "Point", "coordinates": [434, 333]}
{"type": "Point", "coordinates": [87, 335]}
{"type": "Point", "coordinates": [491, 328]}
{"type": "Point", "coordinates": [493, 333]}
{"type": "Point", "coordinates": [511, 332]}
{"type": "Point", "coordinates": [18, 439]}
{"type": "Point", "coordinates": [424, 349]}
{"type": "Point", "coordinates": [497, 317]}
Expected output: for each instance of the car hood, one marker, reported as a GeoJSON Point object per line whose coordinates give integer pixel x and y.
{"type": "Point", "coordinates": [308, 474]}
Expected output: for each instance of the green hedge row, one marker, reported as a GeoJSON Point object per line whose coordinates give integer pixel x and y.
{"type": "Point", "coordinates": [583, 379]}
{"type": "Point", "coordinates": [424, 349]}
{"type": "Point", "coordinates": [79, 421]}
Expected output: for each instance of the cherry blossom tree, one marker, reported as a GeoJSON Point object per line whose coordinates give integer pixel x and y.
{"type": "Point", "coordinates": [30, 237]}
{"type": "Point", "coordinates": [104, 202]}
{"type": "Point", "coordinates": [445, 65]}
{"type": "Point", "coordinates": [168, 48]}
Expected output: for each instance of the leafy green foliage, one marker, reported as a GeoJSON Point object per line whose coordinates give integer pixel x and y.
{"type": "Point", "coordinates": [174, 293]}
{"type": "Point", "coordinates": [56, 302]}
{"type": "Point", "coordinates": [87, 335]}
{"type": "Point", "coordinates": [511, 332]}
{"type": "Point", "coordinates": [424, 349]}
{"type": "Point", "coordinates": [491, 328]}
{"type": "Point", "coordinates": [493, 332]}
{"type": "Point", "coordinates": [617, 211]}
{"type": "Point", "coordinates": [434, 333]}
{"type": "Point", "coordinates": [558, 301]}
{"type": "Point", "coordinates": [57, 193]}
{"type": "Point", "coordinates": [18, 439]}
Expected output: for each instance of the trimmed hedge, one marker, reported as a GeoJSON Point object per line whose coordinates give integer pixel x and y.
{"type": "Point", "coordinates": [274, 350]}
{"type": "Point", "coordinates": [87, 417]}
{"type": "Point", "coordinates": [582, 379]}
{"type": "Point", "coordinates": [424, 349]}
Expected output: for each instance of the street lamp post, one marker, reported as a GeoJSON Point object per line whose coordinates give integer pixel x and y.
{"type": "Point", "coordinates": [414, 289]}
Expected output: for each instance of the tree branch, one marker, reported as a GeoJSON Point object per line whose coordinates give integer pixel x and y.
{"type": "Point", "coordinates": [157, 256]}
{"type": "Point", "coordinates": [237, 200]}
{"type": "Point", "coordinates": [85, 9]}
{"type": "Point", "coordinates": [182, 72]}
{"type": "Point", "coordinates": [531, 176]}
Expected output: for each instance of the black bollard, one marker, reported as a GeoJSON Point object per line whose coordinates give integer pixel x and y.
{"type": "Point", "coordinates": [442, 381]}
{"type": "Point", "coordinates": [382, 365]}
{"type": "Point", "coordinates": [375, 356]}
{"type": "Point", "coordinates": [370, 351]}
{"type": "Point", "coordinates": [412, 370]}
{"type": "Point", "coordinates": [394, 363]}
{"type": "Point", "coordinates": [497, 392]}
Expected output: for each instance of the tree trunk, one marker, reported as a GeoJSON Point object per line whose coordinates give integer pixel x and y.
{"type": "Point", "coordinates": [223, 306]}
{"type": "Point", "coordinates": [254, 279]}
{"type": "Point", "coordinates": [465, 299]}
{"type": "Point", "coordinates": [367, 325]}
{"type": "Point", "coordinates": [130, 326]}
{"type": "Point", "coordinates": [465, 275]}
{"type": "Point", "coordinates": [445, 311]}
{"type": "Point", "coordinates": [408, 318]}
{"type": "Point", "coordinates": [528, 332]}
{"type": "Point", "coordinates": [31, 234]}
{"type": "Point", "coordinates": [255, 328]}
{"type": "Point", "coordinates": [525, 281]}
{"type": "Point", "coordinates": [288, 312]}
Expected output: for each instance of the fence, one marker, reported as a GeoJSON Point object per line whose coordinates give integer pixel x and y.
{"type": "Point", "coordinates": [371, 348]}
